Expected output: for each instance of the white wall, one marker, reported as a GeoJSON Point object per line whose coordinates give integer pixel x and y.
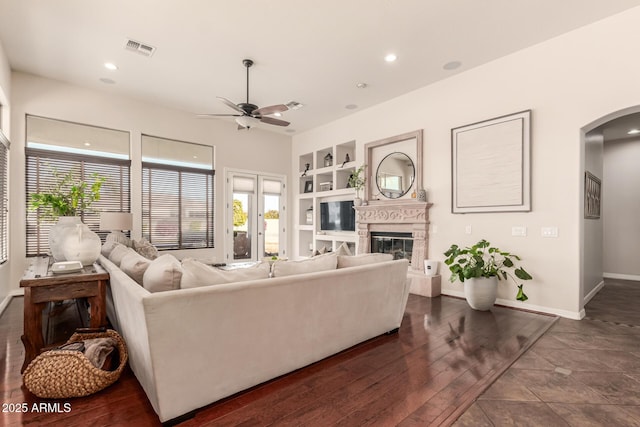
{"type": "Point", "coordinates": [621, 196]}
{"type": "Point", "coordinates": [257, 149]}
{"type": "Point", "coordinates": [593, 228]}
{"type": "Point", "coordinates": [567, 82]}
{"type": "Point", "coordinates": [5, 92]}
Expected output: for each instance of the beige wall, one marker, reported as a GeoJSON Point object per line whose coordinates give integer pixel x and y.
{"type": "Point", "coordinates": [621, 191]}
{"type": "Point", "coordinates": [593, 228]}
{"type": "Point", "coordinates": [5, 89]}
{"type": "Point", "coordinates": [568, 82]}
{"type": "Point", "coordinates": [257, 149]}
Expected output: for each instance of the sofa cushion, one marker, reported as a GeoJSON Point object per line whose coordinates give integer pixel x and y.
{"type": "Point", "coordinates": [163, 274]}
{"type": "Point", "coordinates": [118, 253]}
{"type": "Point", "coordinates": [196, 274]}
{"type": "Point", "coordinates": [317, 263]}
{"type": "Point", "coordinates": [134, 265]}
{"type": "Point", "coordinates": [108, 247]}
{"type": "Point", "coordinates": [145, 248]}
{"type": "Point", "coordinates": [362, 259]}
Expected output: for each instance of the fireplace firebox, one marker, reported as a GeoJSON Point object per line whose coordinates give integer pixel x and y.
{"type": "Point", "coordinates": [400, 245]}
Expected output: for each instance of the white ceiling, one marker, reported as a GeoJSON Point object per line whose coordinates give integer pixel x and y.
{"type": "Point", "coordinates": [311, 52]}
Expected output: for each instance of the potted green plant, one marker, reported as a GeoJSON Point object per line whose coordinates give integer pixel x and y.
{"type": "Point", "coordinates": [66, 199]}
{"type": "Point", "coordinates": [480, 267]}
{"type": "Point", "coordinates": [357, 181]}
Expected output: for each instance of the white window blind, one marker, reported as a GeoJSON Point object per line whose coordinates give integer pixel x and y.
{"type": "Point", "coordinates": [114, 195]}
{"type": "Point", "coordinates": [178, 195]}
{"type": "Point", "coordinates": [4, 198]}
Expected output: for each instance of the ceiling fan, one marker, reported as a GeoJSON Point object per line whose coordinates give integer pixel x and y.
{"type": "Point", "coordinates": [249, 115]}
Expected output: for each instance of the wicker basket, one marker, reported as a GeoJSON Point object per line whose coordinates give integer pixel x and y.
{"type": "Point", "coordinates": [64, 373]}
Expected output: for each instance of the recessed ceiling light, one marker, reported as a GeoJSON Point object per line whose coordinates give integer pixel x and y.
{"type": "Point", "coordinates": [633, 131]}
{"type": "Point", "coordinates": [361, 85]}
{"type": "Point", "coordinates": [277, 114]}
{"type": "Point", "coordinates": [87, 144]}
{"type": "Point", "coordinates": [351, 106]}
{"type": "Point", "coordinates": [390, 57]}
{"type": "Point", "coordinates": [290, 130]}
{"type": "Point", "coordinates": [452, 65]}
{"type": "Point", "coordinates": [195, 157]}
{"type": "Point", "coordinates": [110, 66]}
{"type": "Point", "coordinates": [107, 81]}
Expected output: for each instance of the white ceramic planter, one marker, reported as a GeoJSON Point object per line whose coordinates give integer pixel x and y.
{"type": "Point", "coordinates": [481, 292]}
{"type": "Point", "coordinates": [59, 233]}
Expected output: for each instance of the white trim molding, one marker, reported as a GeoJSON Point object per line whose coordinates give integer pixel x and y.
{"type": "Point", "coordinates": [5, 302]}
{"type": "Point", "coordinates": [593, 293]}
{"type": "Point", "coordinates": [634, 277]}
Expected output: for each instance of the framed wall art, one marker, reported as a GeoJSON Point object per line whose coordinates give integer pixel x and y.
{"type": "Point", "coordinates": [491, 170]}
{"type": "Point", "coordinates": [592, 189]}
{"type": "Point", "coordinates": [308, 187]}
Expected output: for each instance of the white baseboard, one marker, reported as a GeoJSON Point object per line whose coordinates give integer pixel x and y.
{"type": "Point", "coordinates": [5, 302]}
{"type": "Point", "coordinates": [574, 315]}
{"type": "Point", "coordinates": [593, 293]}
{"type": "Point", "coordinates": [621, 276]}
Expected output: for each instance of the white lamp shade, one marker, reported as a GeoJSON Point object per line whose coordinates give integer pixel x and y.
{"type": "Point", "coordinates": [116, 221]}
{"type": "Point", "coordinates": [247, 122]}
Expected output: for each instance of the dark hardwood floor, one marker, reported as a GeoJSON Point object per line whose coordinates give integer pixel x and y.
{"type": "Point", "coordinates": [443, 357]}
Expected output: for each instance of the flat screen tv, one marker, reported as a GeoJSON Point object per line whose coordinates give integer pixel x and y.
{"type": "Point", "coordinates": [337, 216]}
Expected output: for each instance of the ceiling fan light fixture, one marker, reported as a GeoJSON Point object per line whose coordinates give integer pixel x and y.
{"type": "Point", "coordinates": [247, 122]}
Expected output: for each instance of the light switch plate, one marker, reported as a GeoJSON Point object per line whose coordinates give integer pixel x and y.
{"type": "Point", "coordinates": [550, 232]}
{"type": "Point", "coordinates": [467, 229]}
{"type": "Point", "coordinates": [518, 231]}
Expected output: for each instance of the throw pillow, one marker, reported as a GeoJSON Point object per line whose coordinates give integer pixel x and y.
{"type": "Point", "coordinates": [362, 259]}
{"type": "Point", "coordinates": [118, 253]}
{"type": "Point", "coordinates": [108, 247]}
{"type": "Point", "coordinates": [145, 248]}
{"type": "Point", "coordinates": [134, 265]}
{"type": "Point", "coordinates": [196, 274]}
{"type": "Point", "coordinates": [343, 249]}
{"type": "Point", "coordinates": [164, 274]}
{"type": "Point", "coordinates": [317, 263]}
{"type": "Point", "coordinates": [118, 238]}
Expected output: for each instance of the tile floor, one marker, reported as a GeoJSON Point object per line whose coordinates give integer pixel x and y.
{"type": "Point", "coordinates": [580, 373]}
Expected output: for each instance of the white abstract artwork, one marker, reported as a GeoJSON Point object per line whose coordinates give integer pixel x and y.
{"type": "Point", "coordinates": [490, 165]}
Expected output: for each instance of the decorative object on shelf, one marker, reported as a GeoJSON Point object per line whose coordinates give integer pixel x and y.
{"type": "Point", "coordinates": [592, 185]}
{"type": "Point", "coordinates": [326, 186]}
{"type": "Point", "coordinates": [480, 267]}
{"type": "Point", "coordinates": [65, 200]}
{"type": "Point", "coordinates": [357, 180]}
{"type": "Point", "coordinates": [346, 160]}
{"type": "Point", "coordinates": [310, 215]}
{"type": "Point", "coordinates": [422, 195]}
{"type": "Point", "coordinates": [491, 166]}
{"type": "Point", "coordinates": [306, 169]}
{"type": "Point", "coordinates": [308, 187]}
{"type": "Point", "coordinates": [430, 267]}
{"type": "Point", "coordinates": [328, 160]}
{"type": "Point", "coordinates": [116, 222]}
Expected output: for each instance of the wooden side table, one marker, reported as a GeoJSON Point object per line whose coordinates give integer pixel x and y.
{"type": "Point", "coordinates": [41, 286]}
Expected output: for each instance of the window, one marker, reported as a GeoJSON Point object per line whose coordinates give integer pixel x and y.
{"type": "Point", "coordinates": [177, 193]}
{"type": "Point", "coordinates": [4, 198]}
{"type": "Point", "coordinates": [82, 150]}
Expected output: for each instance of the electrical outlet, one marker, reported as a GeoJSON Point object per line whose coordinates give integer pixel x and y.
{"type": "Point", "coordinates": [518, 231]}
{"type": "Point", "coordinates": [467, 229]}
{"type": "Point", "coordinates": [549, 231]}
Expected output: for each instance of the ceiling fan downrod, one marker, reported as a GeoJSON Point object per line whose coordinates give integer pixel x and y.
{"type": "Point", "coordinates": [247, 63]}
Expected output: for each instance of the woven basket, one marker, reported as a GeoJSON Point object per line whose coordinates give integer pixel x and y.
{"type": "Point", "coordinates": [65, 373]}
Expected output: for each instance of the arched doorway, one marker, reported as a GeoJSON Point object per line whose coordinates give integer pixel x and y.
{"type": "Point", "coordinates": [597, 232]}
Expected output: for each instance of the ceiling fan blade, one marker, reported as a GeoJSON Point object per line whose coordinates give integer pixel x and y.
{"type": "Point", "coordinates": [272, 121]}
{"type": "Point", "coordinates": [206, 116]}
{"type": "Point", "coordinates": [231, 105]}
{"type": "Point", "coordinates": [265, 111]}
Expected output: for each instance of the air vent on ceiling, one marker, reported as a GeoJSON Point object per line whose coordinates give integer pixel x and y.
{"type": "Point", "coordinates": [294, 105]}
{"type": "Point", "coordinates": [141, 48]}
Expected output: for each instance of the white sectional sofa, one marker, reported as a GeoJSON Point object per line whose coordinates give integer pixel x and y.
{"type": "Point", "coordinates": [191, 347]}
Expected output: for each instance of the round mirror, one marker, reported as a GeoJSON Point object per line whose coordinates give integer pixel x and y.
{"type": "Point", "coordinates": [395, 175]}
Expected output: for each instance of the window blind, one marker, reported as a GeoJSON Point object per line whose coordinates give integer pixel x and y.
{"type": "Point", "coordinates": [4, 198]}
{"type": "Point", "coordinates": [177, 206]}
{"type": "Point", "coordinates": [114, 196]}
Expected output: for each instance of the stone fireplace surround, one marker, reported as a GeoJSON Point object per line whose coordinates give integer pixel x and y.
{"type": "Point", "coordinates": [401, 216]}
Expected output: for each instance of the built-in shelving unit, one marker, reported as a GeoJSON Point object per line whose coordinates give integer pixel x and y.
{"type": "Point", "coordinates": [323, 176]}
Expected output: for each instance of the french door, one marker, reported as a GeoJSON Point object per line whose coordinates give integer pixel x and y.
{"type": "Point", "coordinates": [255, 219]}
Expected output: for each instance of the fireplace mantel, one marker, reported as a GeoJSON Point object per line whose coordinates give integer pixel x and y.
{"type": "Point", "coordinates": [401, 216]}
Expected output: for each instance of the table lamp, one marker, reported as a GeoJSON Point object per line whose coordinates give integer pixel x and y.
{"type": "Point", "coordinates": [116, 222]}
